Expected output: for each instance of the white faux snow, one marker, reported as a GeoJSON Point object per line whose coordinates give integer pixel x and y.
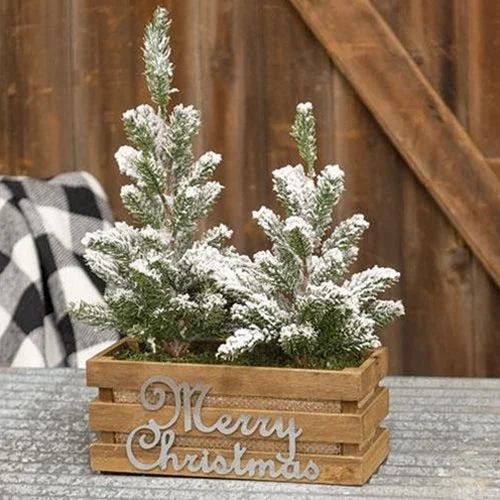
{"type": "Point", "coordinates": [244, 339]}
{"type": "Point", "coordinates": [142, 266]}
{"type": "Point", "coordinates": [127, 158]}
{"type": "Point", "coordinates": [304, 107]}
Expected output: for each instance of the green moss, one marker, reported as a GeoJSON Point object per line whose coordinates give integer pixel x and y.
{"type": "Point", "coordinates": [272, 356]}
{"type": "Point", "coordinates": [163, 357]}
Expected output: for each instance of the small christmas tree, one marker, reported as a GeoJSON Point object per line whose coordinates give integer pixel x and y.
{"type": "Point", "coordinates": [165, 286]}
{"type": "Point", "coordinates": [300, 309]}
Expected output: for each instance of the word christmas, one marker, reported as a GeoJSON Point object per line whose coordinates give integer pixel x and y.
{"type": "Point", "coordinates": [188, 403]}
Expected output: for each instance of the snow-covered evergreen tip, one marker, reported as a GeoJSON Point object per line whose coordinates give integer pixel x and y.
{"type": "Point", "coordinates": [301, 307]}
{"type": "Point", "coordinates": [159, 70]}
{"type": "Point", "coordinates": [166, 285]}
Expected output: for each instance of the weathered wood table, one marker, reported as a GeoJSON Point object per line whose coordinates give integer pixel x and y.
{"type": "Point", "coordinates": [445, 444]}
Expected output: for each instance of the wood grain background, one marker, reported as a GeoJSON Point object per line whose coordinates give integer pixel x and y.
{"type": "Point", "coordinates": [69, 68]}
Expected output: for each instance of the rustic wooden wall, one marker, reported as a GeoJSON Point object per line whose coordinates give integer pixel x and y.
{"type": "Point", "coordinates": [69, 68]}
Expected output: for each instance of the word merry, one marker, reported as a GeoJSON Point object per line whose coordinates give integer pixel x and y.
{"type": "Point", "coordinates": [188, 404]}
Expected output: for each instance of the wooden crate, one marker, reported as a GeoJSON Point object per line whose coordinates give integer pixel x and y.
{"type": "Point", "coordinates": [338, 412]}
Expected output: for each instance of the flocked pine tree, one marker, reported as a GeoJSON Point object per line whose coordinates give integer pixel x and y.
{"type": "Point", "coordinates": [300, 308]}
{"type": "Point", "coordinates": [165, 286]}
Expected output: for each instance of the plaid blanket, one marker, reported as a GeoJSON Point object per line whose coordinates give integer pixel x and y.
{"type": "Point", "coordinates": [42, 269]}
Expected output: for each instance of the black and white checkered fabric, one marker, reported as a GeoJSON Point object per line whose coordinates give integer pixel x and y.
{"type": "Point", "coordinates": [42, 269]}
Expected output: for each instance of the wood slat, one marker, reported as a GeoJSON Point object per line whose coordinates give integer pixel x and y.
{"type": "Point", "coordinates": [106, 395]}
{"type": "Point", "coordinates": [36, 112]}
{"type": "Point", "coordinates": [480, 30]}
{"type": "Point", "coordinates": [122, 417]}
{"type": "Point", "coordinates": [316, 427]}
{"type": "Point", "coordinates": [361, 148]}
{"type": "Point", "coordinates": [6, 59]}
{"type": "Point", "coordinates": [292, 55]}
{"type": "Point", "coordinates": [494, 164]}
{"type": "Point", "coordinates": [436, 263]}
{"type": "Point", "coordinates": [103, 55]}
{"type": "Point", "coordinates": [348, 384]}
{"type": "Point", "coordinates": [374, 412]}
{"type": "Point", "coordinates": [482, 97]}
{"type": "Point", "coordinates": [231, 60]}
{"type": "Point", "coordinates": [333, 469]}
{"type": "Point", "coordinates": [415, 118]}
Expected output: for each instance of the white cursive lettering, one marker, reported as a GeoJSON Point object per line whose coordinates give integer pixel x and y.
{"type": "Point", "coordinates": [188, 405]}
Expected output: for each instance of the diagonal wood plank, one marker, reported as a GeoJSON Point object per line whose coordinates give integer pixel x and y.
{"type": "Point", "coordinates": [415, 118]}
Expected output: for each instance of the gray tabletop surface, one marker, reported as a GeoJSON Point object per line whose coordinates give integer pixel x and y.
{"type": "Point", "coordinates": [445, 440]}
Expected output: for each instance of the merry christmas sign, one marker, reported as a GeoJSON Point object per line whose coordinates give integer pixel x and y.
{"type": "Point", "coordinates": [158, 434]}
